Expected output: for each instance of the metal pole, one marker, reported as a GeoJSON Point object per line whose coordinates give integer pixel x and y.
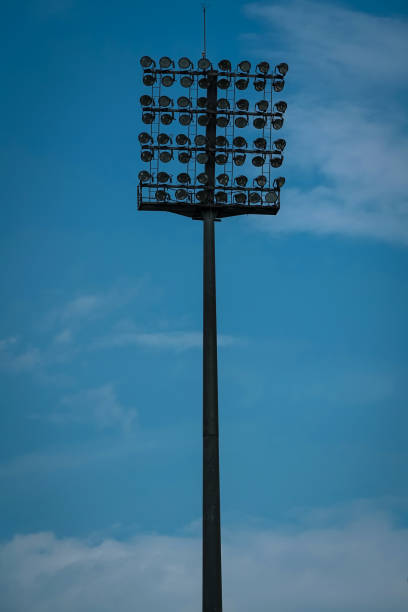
{"type": "Point", "coordinates": [212, 587]}
{"type": "Point", "coordinates": [212, 584]}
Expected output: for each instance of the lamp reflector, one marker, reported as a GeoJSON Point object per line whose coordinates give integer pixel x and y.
{"type": "Point", "coordinates": [259, 123]}
{"type": "Point", "coordinates": [260, 143]}
{"type": "Point", "coordinates": [271, 197]}
{"type": "Point", "coordinates": [277, 123]}
{"type": "Point", "coordinates": [203, 120]}
{"type": "Point", "coordinates": [262, 105]}
{"type": "Point", "coordinates": [263, 67]}
{"type": "Point", "coordinates": [280, 144]}
{"type": "Point", "coordinates": [223, 179]}
{"type": "Point", "coordinates": [221, 197]}
{"type": "Point", "coordinates": [241, 122]}
{"type": "Point", "coordinates": [258, 161]}
{"type": "Point", "coordinates": [221, 158]}
{"type": "Point", "coordinates": [144, 176]}
{"type": "Point", "coordinates": [186, 81]}
{"type": "Point", "coordinates": [182, 139]}
{"type": "Point", "coordinates": [259, 85]}
{"type": "Point", "coordinates": [149, 79]}
{"type": "Point", "coordinates": [183, 101]}
{"type": "Point", "coordinates": [200, 140]}
{"type": "Point", "coordinates": [254, 197]}
{"type": "Point", "coordinates": [165, 101]}
{"type": "Point", "coordinates": [281, 106]}
{"type": "Point", "coordinates": [240, 198]}
{"type": "Point", "coordinates": [165, 156]}
{"type": "Point", "coordinates": [166, 118]}
{"type": "Point", "coordinates": [181, 194]}
{"type": "Point", "coordinates": [165, 62]}
{"type": "Point", "coordinates": [183, 177]}
{"type": "Point", "coordinates": [146, 100]}
{"type": "Point", "coordinates": [223, 103]}
{"type": "Point", "coordinates": [202, 196]}
{"type": "Point", "coordinates": [148, 118]}
{"type": "Point", "coordinates": [244, 66]}
{"type": "Point", "coordinates": [146, 156]}
{"type": "Point", "coordinates": [278, 84]}
{"type": "Point", "coordinates": [223, 83]}
{"type": "Point", "coordinates": [144, 138]}
{"type": "Point", "coordinates": [161, 195]}
{"type": "Point", "coordinates": [239, 160]}
{"type": "Point", "coordinates": [276, 161]}
{"type": "Point", "coordinates": [146, 61]}
{"type": "Point", "coordinates": [202, 102]}
{"type": "Point", "coordinates": [202, 158]}
{"type": "Point", "coordinates": [202, 178]}
{"type": "Point", "coordinates": [163, 139]}
{"type": "Point", "coordinates": [241, 84]}
{"type": "Point", "coordinates": [203, 63]}
{"type": "Point", "coordinates": [222, 121]}
{"type": "Point", "coordinates": [239, 142]}
{"type": "Point", "coordinates": [184, 63]}
{"type": "Point", "coordinates": [241, 180]}
{"type": "Point", "coordinates": [184, 157]}
{"type": "Point", "coordinates": [163, 177]}
{"type": "Point", "coordinates": [242, 104]}
{"type": "Point", "coordinates": [167, 80]}
{"type": "Point", "coordinates": [221, 141]}
{"type": "Point", "coordinates": [261, 180]}
{"type": "Point", "coordinates": [282, 68]}
{"type": "Point", "coordinates": [185, 119]}
{"type": "Point", "coordinates": [280, 181]}
{"type": "Point", "coordinates": [224, 65]}
{"type": "Point", "coordinates": [203, 83]}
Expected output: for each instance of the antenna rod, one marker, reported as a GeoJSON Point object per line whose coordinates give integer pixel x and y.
{"type": "Point", "coordinates": [205, 50]}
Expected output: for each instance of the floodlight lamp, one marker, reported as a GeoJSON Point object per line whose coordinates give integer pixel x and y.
{"type": "Point", "coordinates": [203, 83]}
{"type": "Point", "coordinates": [239, 142]}
{"type": "Point", "coordinates": [184, 157]}
{"type": "Point", "coordinates": [146, 156]}
{"type": "Point", "coordinates": [259, 123]}
{"type": "Point", "coordinates": [224, 65]}
{"type": "Point", "coordinates": [221, 159]}
{"type": "Point", "coordinates": [144, 176]}
{"type": "Point", "coordinates": [277, 122]}
{"type": "Point", "coordinates": [202, 196]}
{"type": "Point", "coordinates": [144, 138]}
{"type": "Point", "coordinates": [221, 141]}
{"type": "Point", "coordinates": [200, 140]}
{"type": "Point", "coordinates": [165, 101]}
{"type": "Point", "coordinates": [202, 158]}
{"type": "Point", "coordinates": [223, 83]}
{"type": "Point", "coordinates": [167, 80]}
{"type": "Point", "coordinates": [261, 180]}
{"type": "Point", "coordinates": [223, 179]}
{"type": "Point", "coordinates": [183, 101]}
{"type": "Point", "coordinates": [281, 106]}
{"type": "Point", "coordinates": [240, 198]}
{"type": "Point", "coordinates": [203, 63]}
{"type": "Point", "coordinates": [166, 118]}
{"type": "Point", "coordinates": [241, 84]}
{"type": "Point", "coordinates": [282, 68]}
{"type": "Point", "coordinates": [185, 119]}
{"type": "Point", "coordinates": [276, 161]}
{"type": "Point", "coordinates": [183, 178]}
{"type": "Point", "coordinates": [279, 182]}
{"type": "Point", "coordinates": [163, 177]}
{"type": "Point", "coordinates": [258, 161]}
{"type": "Point", "coordinates": [163, 139]}
{"type": "Point", "coordinates": [203, 120]}
{"type": "Point", "coordinates": [241, 180]}
{"type": "Point", "coordinates": [146, 100]}
{"type": "Point", "coordinates": [181, 194]}
{"type": "Point", "coordinates": [184, 63]}
{"type": "Point", "coordinates": [263, 67]}
{"type": "Point", "coordinates": [147, 61]}
{"type": "Point", "coordinates": [259, 84]}
{"type": "Point", "coordinates": [260, 143]}
{"type": "Point", "coordinates": [202, 102]}
{"type": "Point", "coordinates": [165, 62]}
{"type": "Point", "coordinates": [239, 160]}
{"type": "Point", "coordinates": [244, 66]}
{"type": "Point", "coordinates": [242, 104]}
{"type": "Point", "coordinates": [222, 121]}
{"type": "Point", "coordinates": [202, 178]}
{"type": "Point", "coordinates": [223, 103]}
{"type": "Point", "coordinates": [262, 105]}
{"type": "Point", "coordinates": [271, 197]}
{"type": "Point", "coordinates": [149, 79]}
{"type": "Point", "coordinates": [278, 84]}
{"type": "Point", "coordinates": [221, 197]}
{"type": "Point", "coordinates": [241, 122]}
{"type": "Point", "coordinates": [165, 156]}
{"type": "Point", "coordinates": [148, 118]}
{"type": "Point", "coordinates": [186, 81]}
{"type": "Point", "coordinates": [280, 144]}
{"type": "Point", "coordinates": [254, 197]}
{"type": "Point", "coordinates": [161, 195]}
{"type": "Point", "coordinates": [182, 140]}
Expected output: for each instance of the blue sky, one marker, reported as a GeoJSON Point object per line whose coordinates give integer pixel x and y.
{"type": "Point", "coordinates": [100, 331]}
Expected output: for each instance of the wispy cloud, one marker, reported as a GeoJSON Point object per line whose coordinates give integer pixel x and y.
{"type": "Point", "coordinates": [359, 565]}
{"type": "Point", "coordinates": [15, 358]}
{"type": "Point", "coordinates": [346, 127]}
{"type": "Point", "coordinates": [176, 340]}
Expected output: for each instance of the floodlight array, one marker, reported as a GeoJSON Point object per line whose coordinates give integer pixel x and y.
{"type": "Point", "coordinates": [212, 146]}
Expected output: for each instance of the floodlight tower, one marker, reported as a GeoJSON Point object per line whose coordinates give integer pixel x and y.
{"type": "Point", "coordinates": [210, 139]}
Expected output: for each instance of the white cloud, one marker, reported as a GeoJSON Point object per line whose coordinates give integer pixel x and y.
{"type": "Point", "coordinates": [346, 128]}
{"type": "Point", "coordinates": [360, 566]}
{"type": "Point", "coordinates": [176, 340]}
{"type": "Point", "coordinates": [99, 407]}
{"type": "Point", "coordinates": [64, 337]}
{"type": "Point", "coordinates": [15, 359]}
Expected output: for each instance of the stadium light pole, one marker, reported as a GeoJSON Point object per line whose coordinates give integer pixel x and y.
{"type": "Point", "coordinates": [202, 199]}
